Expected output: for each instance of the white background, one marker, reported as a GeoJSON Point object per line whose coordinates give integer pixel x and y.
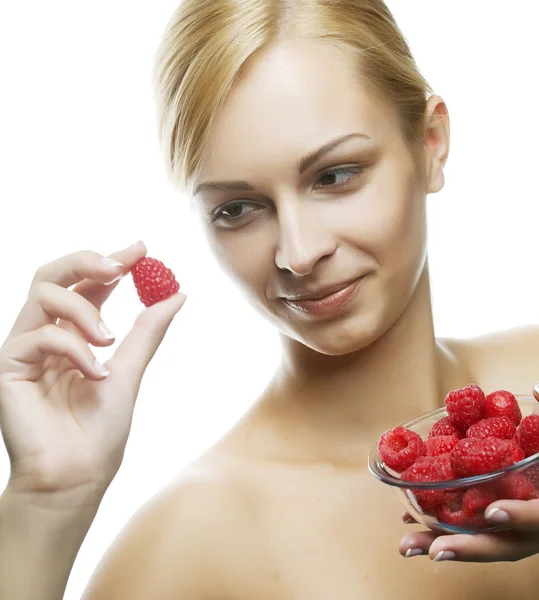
{"type": "Point", "coordinates": [81, 169]}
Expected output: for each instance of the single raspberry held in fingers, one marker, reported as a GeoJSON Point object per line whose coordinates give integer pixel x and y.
{"type": "Point", "coordinates": [445, 427]}
{"type": "Point", "coordinates": [473, 456]}
{"type": "Point", "coordinates": [502, 428]}
{"type": "Point", "coordinates": [440, 445]}
{"type": "Point", "coordinates": [503, 404]}
{"type": "Point", "coordinates": [465, 406]}
{"type": "Point", "coordinates": [400, 447]}
{"type": "Point", "coordinates": [527, 436]}
{"type": "Point", "coordinates": [154, 282]}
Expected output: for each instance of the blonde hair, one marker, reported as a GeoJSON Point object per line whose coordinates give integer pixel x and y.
{"type": "Point", "coordinates": [207, 42]}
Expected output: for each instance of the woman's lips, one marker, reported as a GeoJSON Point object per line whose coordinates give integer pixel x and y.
{"type": "Point", "coordinates": [328, 305]}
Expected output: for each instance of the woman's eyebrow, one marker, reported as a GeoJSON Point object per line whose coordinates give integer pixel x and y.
{"type": "Point", "coordinates": [310, 159]}
{"type": "Point", "coordinates": [303, 164]}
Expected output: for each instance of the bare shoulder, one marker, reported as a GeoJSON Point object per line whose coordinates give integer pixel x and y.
{"type": "Point", "coordinates": [507, 359]}
{"type": "Point", "coordinates": [173, 541]}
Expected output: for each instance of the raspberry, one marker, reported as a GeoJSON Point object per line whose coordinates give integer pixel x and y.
{"type": "Point", "coordinates": [518, 453]}
{"type": "Point", "coordinates": [498, 427]}
{"type": "Point", "coordinates": [472, 456]}
{"type": "Point", "coordinates": [503, 404]}
{"type": "Point", "coordinates": [478, 498]}
{"type": "Point", "coordinates": [426, 468]}
{"type": "Point", "coordinates": [400, 447]}
{"type": "Point", "coordinates": [528, 435]}
{"type": "Point", "coordinates": [440, 445]}
{"type": "Point", "coordinates": [452, 513]}
{"type": "Point", "coordinates": [445, 427]}
{"type": "Point", "coordinates": [533, 475]}
{"type": "Point", "coordinates": [154, 282]}
{"type": "Point", "coordinates": [443, 462]}
{"type": "Point", "coordinates": [465, 406]}
{"type": "Point", "coordinates": [516, 486]}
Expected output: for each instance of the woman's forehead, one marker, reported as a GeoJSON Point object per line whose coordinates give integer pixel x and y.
{"type": "Point", "coordinates": [292, 98]}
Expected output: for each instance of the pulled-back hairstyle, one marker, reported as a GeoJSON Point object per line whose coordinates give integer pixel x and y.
{"type": "Point", "coordinates": [207, 42]}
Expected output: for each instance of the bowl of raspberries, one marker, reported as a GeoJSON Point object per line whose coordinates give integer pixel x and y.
{"type": "Point", "coordinates": [449, 464]}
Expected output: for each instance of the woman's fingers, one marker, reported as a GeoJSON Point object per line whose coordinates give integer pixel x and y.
{"type": "Point", "coordinates": [519, 542]}
{"type": "Point", "coordinates": [97, 293]}
{"type": "Point", "coordinates": [49, 302]}
{"type": "Point", "coordinates": [417, 543]}
{"type": "Point", "coordinates": [24, 354]}
{"type": "Point", "coordinates": [407, 518]}
{"type": "Point", "coordinates": [519, 515]}
{"type": "Point", "coordinates": [78, 309]}
{"type": "Point", "coordinates": [485, 547]}
{"type": "Point", "coordinates": [141, 343]}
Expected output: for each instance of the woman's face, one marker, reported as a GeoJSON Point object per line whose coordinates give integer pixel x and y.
{"type": "Point", "coordinates": [314, 189]}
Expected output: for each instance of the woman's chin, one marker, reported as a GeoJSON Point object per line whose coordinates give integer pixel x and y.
{"type": "Point", "coordinates": [339, 341]}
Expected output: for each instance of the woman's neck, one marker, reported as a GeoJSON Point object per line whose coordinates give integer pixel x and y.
{"type": "Point", "coordinates": [360, 395]}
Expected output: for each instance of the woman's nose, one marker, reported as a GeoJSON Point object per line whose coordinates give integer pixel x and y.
{"type": "Point", "coordinates": [305, 238]}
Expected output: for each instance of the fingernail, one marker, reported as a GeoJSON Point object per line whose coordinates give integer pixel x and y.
{"type": "Point", "coordinates": [413, 552]}
{"type": "Point", "coordinates": [109, 262]}
{"type": "Point", "coordinates": [409, 521]}
{"type": "Point", "coordinates": [496, 515]}
{"type": "Point", "coordinates": [444, 555]}
{"type": "Point", "coordinates": [101, 369]}
{"type": "Point", "coordinates": [117, 278]}
{"type": "Point", "coordinates": [107, 333]}
{"type": "Point", "coordinates": [536, 388]}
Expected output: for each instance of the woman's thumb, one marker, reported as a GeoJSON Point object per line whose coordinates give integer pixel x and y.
{"type": "Point", "coordinates": [141, 343]}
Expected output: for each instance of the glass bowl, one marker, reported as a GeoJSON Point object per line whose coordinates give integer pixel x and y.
{"type": "Point", "coordinates": [442, 518]}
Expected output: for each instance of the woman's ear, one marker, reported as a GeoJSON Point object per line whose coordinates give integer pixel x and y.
{"type": "Point", "coordinates": [436, 142]}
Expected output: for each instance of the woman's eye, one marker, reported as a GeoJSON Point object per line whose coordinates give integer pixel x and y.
{"type": "Point", "coordinates": [338, 177]}
{"type": "Point", "coordinates": [232, 212]}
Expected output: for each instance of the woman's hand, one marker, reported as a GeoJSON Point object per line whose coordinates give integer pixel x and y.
{"type": "Point", "coordinates": [65, 424]}
{"type": "Point", "coordinates": [520, 541]}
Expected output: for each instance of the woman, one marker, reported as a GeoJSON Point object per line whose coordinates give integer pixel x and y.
{"type": "Point", "coordinates": [305, 134]}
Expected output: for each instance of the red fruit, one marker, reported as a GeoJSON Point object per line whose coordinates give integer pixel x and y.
{"type": "Point", "coordinates": [443, 463]}
{"type": "Point", "coordinates": [498, 427]}
{"type": "Point", "coordinates": [503, 404]}
{"type": "Point", "coordinates": [472, 456]}
{"type": "Point", "coordinates": [527, 435]}
{"type": "Point", "coordinates": [427, 469]}
{"type": "Point", "coordinates": [477, 498]}
{"type": "Point", "coordinates": [518, 453]}
{"type": "Point", "coordinates": [477, 522]}
{"type": "Point", "coordinates": [516, 486]}
{"type": "Point", "coordinates": [533, 475]}
{"type": "Point", "coordinates": [451, 513]}
{"type": "Point", "coordinates": [445, 427]}
{"type": "Point", "coordinates": [465, 406]}
{"type": "Point", "coordinates": [154, 281]}
{"type": "Point", "coordinates": [400, 447]}
{"type": "Point", "coordinates": [440, 445]}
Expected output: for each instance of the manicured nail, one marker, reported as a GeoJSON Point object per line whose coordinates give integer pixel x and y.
{"type": "Point", "coordinates": [109, 262]}
{"type": "Point", "coordinates": [444, 555]}
{"type": "Point", "coordinates": [105, 331]}
{"type": "Point", "coordinates": [536, 388]}
{"type": "Point", "coordinates": [117, 278]}
{"type": "Point", "coordinates": [413, 552]}
{"type": "Point", "coordinates": [101, 369]}
{"type": "Point", "coordinates": [409, 521]}
{"type": "Point", "coordinates": [496, 515]}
